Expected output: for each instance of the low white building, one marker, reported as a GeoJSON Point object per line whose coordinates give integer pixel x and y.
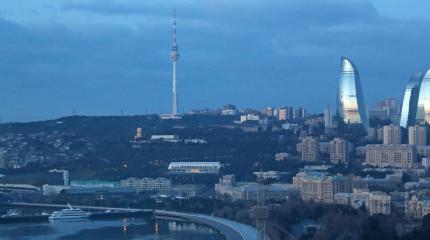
{"type": "Point", "coordinates": [195, 167]}
{"type": "Point", "coordinates": [249, 117]}
{"type": "Point", "coordinates": [147, 184]}
{"type": "Point", "coordinates": [165, 138]}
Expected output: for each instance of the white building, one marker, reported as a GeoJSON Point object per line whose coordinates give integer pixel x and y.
{"type": "Point", "coordinates": [195, 167]}
{"type": "Point", "coordinates": [328, 118]}
{"type": "Point", "coordinates": [165, 138]}
{"type": "Point", "coordinates": [147, 184]}
{"type": "Point", "coordinates": [249, 117]}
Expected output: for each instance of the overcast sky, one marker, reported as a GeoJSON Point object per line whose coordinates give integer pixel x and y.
{"type": "Point", "coordinates": [101, 56]}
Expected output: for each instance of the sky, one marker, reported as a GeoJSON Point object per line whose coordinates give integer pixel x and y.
{"type": "Point", "coordinates": [94, 57]}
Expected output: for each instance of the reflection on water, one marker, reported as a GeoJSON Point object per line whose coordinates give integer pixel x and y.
{"type": "Point", "coordinates": [122, 229]}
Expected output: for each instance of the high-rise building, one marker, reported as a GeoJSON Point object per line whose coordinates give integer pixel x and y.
{"type": "Point", "coordinates": [282, 114]}
{"type": "Point", "coordinates": [372, 134]}
{"type": "Point", "coordinates": [270, 112]}
{"type": "Point", "coordinates": [328, 120]}
{"type": "Point", "coordinates": [392, 134]}
{"type": "Point", "coordinates": [410, 100]}
{"type": "Point", "coordinates": [417, 135]}
{"type": "Point", "coordinates": [396, 155]}
{"type": "Point", "coordinates": [350, 102]}
{"type": "Point", "coordinates": [339, 151]}
{"type": "Point", "coordinates": [291, 113]}
{"type": "Point", "coordinates": [390, 105]}
{"type": "Point", "coordinates": [423, 109]}
{"type": "Point", "coordinates": [174, 55]}
{"type": "Point", "coordinates": [300, 113]}
{"type": "Point", "coordinates": [3, 159]}
{"type": "Point", "coordinates": [310, 149]}
{"type": "Point", "coordinates": [380, 134]}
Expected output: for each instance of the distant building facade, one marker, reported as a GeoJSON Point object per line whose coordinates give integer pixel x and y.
{"type": "Point", "coordinates": [270, 112]}
{"type": "Point", "coordinates": [417, 208]}
{"type": "Point", "coordinates": [195, 167]}
{"type": "Point", "coordinates": [379, 203]}
{"type": "Point", "coordinates": [282, 114]}
{"type": "Point", "coordinates": [417, 135]}
{"type": "Point", "coordinates": [395, 155]}
{"type": "Point", "coordinates": [228, 187]}
{"type": "Point", "coordinates": [147, 184]}
{"type": "Point", "coordinates": [310, 149]}
{"type": "Point", "coordinates": [392, 134]}
{"type": "Point", "coordinates": [3, 159]}
{"type": "Point", "coordinates": [339, 151]}
{"type": "Point", "coordinates": [328, 119]}
{"type": "Point", "coordinates": [321, 187]}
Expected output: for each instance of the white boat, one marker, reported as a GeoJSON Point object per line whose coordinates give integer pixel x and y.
{"type": "Point", "coordinates": [68, 213]}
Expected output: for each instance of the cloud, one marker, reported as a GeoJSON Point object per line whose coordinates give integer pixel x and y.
{"type": "Point", "coordinates": [107, 55]}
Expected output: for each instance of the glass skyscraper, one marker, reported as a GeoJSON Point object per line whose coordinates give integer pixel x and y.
{"type": "Point", "coordinates": [423, 110]}
{"type": "Point", "coordinates": [410, 101]}
{"type": "Point", "coordinates": [350, 102]}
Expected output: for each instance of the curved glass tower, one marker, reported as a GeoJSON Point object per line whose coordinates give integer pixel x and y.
{"type": "Point", "coordinates": [410, 100]}
{"type": "Point", "coordinates": [350, 102]}
{"type": "Point", "coordinates": [423, 110]}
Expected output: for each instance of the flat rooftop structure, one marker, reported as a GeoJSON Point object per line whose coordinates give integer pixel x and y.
{"type": "Point", "coordinates": [195, 167]}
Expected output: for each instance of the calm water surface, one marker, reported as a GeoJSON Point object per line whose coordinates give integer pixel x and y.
{"type": "Point", "coordinates": [118, 229]}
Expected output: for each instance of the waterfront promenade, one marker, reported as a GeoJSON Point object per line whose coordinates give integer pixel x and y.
{"type": "Point", "coordinates": [230, 229]}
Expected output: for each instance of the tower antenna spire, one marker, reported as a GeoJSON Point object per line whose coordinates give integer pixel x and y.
{"type": "Point", "coordinates": [174, 27]}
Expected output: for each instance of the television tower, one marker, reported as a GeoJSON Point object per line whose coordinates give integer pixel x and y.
{"type": "Point", "coordinates": [174, 55]}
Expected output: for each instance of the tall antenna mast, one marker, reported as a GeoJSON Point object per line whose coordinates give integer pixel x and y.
{"type": "Point", "coordinates": [174, 56]}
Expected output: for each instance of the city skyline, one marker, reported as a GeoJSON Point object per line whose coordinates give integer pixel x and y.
{"type": "Point", "coordinates": [282, 119]}
{"type": "Point", "coordinates": [62, 56]}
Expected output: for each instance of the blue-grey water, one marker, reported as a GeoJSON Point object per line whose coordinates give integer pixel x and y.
{"type": "Point", "coordinates": [118, 229]}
